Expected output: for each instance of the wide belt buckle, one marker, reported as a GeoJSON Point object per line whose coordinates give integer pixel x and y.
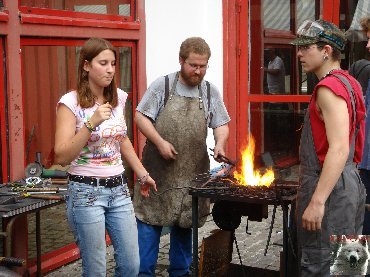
{"type": "Point", "coordinates": [103, 182]}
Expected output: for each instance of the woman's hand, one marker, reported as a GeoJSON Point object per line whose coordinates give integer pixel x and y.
{"type": "Point", "coordinates": [145, 187]}
{"type": "Point", "coordinates": [102, 113]}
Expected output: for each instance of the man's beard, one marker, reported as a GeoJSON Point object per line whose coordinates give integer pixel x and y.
{"type": "Point", "coordinates": [192, 80]}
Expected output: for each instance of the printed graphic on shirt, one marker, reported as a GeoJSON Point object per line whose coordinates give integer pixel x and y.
{"type": "Point", "coordinates": [103, 144]}
{"type": "Point", "coordinates": [349, 255]}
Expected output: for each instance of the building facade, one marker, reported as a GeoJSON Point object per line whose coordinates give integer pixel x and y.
{"type": "Point", "coordinates": [41, 40]}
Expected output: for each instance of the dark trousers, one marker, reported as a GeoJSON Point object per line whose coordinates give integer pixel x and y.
{"type": "Point", "coordinates": [365, 178]}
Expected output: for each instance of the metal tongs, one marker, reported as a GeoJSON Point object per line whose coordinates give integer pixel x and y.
{"type": "Point", "coordinates": [220, 171]}
{"type": "Point", "coordinates": [223, 158]}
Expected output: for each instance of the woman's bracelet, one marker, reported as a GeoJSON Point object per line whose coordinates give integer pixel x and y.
{"type": "Point", "coordinates": [143, 179]}
{"type": "Point", "coordinates": [89, 126]}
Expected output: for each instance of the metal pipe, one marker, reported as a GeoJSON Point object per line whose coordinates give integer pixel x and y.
{"type": "Point", "coordinates": [9, 237]}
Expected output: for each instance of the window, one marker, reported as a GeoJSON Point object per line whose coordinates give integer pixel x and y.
{"type": "Point", "coordinates": [276, 14]}
{"type": "Point", "coordinates": [277, 127]}
{"type": "Point", "coordinates": [305, 10]}
{"type": "Point", "coordinates": [94, 13]}
{"type": "Point", "coordinates": [279, 91]}
{"type": "Point", "coordinates": [118, 7]}
{"type": "Point", "coordinates": [277, 70]}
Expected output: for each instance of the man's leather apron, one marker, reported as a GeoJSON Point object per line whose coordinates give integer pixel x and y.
{"type": "Point", "coordinates": [344, 209]}
{"type": "Point", "coordinates": [183, 124]}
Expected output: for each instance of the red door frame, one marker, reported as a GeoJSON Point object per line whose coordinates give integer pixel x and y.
{"type": "Point", "coordinates": [236, 57]}
{"type": "Point", "coordinates": [13, 28]}
{"type": "Point", "coordinates": [3, 116]}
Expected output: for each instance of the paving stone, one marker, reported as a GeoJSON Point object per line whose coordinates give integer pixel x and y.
{"type": "Point", "coordinates": [251, 247]}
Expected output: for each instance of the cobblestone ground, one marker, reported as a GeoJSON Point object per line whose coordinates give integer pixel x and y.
{"type": "Point", "coordinates": [251, 247]}
{"type": "Point", "coordinates": [55, 233]}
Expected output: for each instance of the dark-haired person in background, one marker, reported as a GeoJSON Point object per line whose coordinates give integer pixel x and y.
{"type": "Point", "coordinates": [364, 166]}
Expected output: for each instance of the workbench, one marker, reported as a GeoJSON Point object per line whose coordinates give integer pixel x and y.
{"type": "Point", "coordinates": [22, 206]}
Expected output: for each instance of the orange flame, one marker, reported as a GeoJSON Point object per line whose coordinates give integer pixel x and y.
{"type": "Point", "coordinates": [249, 176]}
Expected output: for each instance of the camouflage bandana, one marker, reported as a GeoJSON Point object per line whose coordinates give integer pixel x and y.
{"type": "Point", "coordinates": [329, 34]}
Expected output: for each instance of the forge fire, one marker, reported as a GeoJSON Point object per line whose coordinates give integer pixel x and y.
{"type": "Point", "coordinates": [248, 175]}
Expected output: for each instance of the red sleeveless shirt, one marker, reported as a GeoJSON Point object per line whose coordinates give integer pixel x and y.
{"type": "Point", "coordinates": [317, 124]}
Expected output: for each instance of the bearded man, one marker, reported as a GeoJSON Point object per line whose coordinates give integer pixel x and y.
{"type": "Point", "coordinates": [174, 115]}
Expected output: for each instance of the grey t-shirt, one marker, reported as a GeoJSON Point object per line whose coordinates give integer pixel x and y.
{"type": "Point", "coordinates": [152, 102]}
{"type": "Point", "coordinates": [276, 83]}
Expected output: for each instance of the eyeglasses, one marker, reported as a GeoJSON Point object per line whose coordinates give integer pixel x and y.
{"type": "Point", "coordinates": [304, 48]}
{"type": "Point", "coordinates": [197, 66]}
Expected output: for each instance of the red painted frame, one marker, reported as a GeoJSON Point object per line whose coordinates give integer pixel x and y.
{"type": "Point", "coordinates": [237, 33]}
{"type": "Point", "coordinates": [3, 117]}
{"type": "Point", "coordinates": [4, 15]}
{"type": "Point", "coordinates": [12, 32]}
{"type": "Point", "coordinates": [72, 18]}
{"type": "Point", "coordinates": [330, 10]}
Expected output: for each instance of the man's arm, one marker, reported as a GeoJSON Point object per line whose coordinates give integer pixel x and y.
{"type": "Point", "coordinates": [146, 127]}
{"type": "Point", "coordinates": [221, 134]}
{"type": "Point", "coordinates": [334, 113]}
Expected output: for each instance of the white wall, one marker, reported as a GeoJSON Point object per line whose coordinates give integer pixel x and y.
{"type": "Point", "coordinates": [168, 23]}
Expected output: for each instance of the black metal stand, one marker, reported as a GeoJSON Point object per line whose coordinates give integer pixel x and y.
{"type": "Point", "coordinates": [195, 236]}
{"type": "Point", "coordinates": [285, 239]}
{"type": "Point", "coordinates": [27, 206]}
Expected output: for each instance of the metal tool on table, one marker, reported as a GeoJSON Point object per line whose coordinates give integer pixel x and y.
{"type": "Point", "coordinates": [15, 197]}
{"type": "Point", "coordinates": [33, 170]}
{"type": "Point", "coordinates": [36, 169]}
{"type": "Point", "coordinates": [41, 190]}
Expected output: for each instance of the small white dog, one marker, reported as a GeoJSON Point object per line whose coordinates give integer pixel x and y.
{"type": "Point", "coordinates": [352, 257]}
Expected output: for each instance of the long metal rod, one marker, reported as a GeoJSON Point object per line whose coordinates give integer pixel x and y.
{"type": "Point", "coordinates": [195, 234]}
{"type": "Point", "coordinates": [285, 238]}
{"type": "Point", "coordinates": [270, 231]}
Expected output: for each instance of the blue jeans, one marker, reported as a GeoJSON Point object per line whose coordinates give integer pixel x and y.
{"type": "Point", "coordinates": [92, 210]}
{"type": "Point", "coordinates": [365, 178]}
{"type": "Point", "coordinates": [180, 249]}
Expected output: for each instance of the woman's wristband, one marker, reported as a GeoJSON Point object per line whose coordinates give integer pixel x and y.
{"type": "Point", "coordinates": [89, 126]}
{"type": "Point", "coordinates": [142, 180]}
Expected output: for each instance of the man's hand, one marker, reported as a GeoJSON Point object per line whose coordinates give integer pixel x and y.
{"type": "Point", "coordinates": [167, 151]}
{"type": "Point", "coordinates": [218, 152]}
{"type": "Point", "coordinates": [145, 188]}
{"type": "Point", "coordinates": [312, 216]}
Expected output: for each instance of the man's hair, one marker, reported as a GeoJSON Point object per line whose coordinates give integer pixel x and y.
{"type": "Point", "coordinates": [89, 51]}
{"type": "Point", "coordinates": [195, 45]}
{"type": "Point", "coordinates": [365, 24]}
{"type": "Point", "coordinates": [336, 52]}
